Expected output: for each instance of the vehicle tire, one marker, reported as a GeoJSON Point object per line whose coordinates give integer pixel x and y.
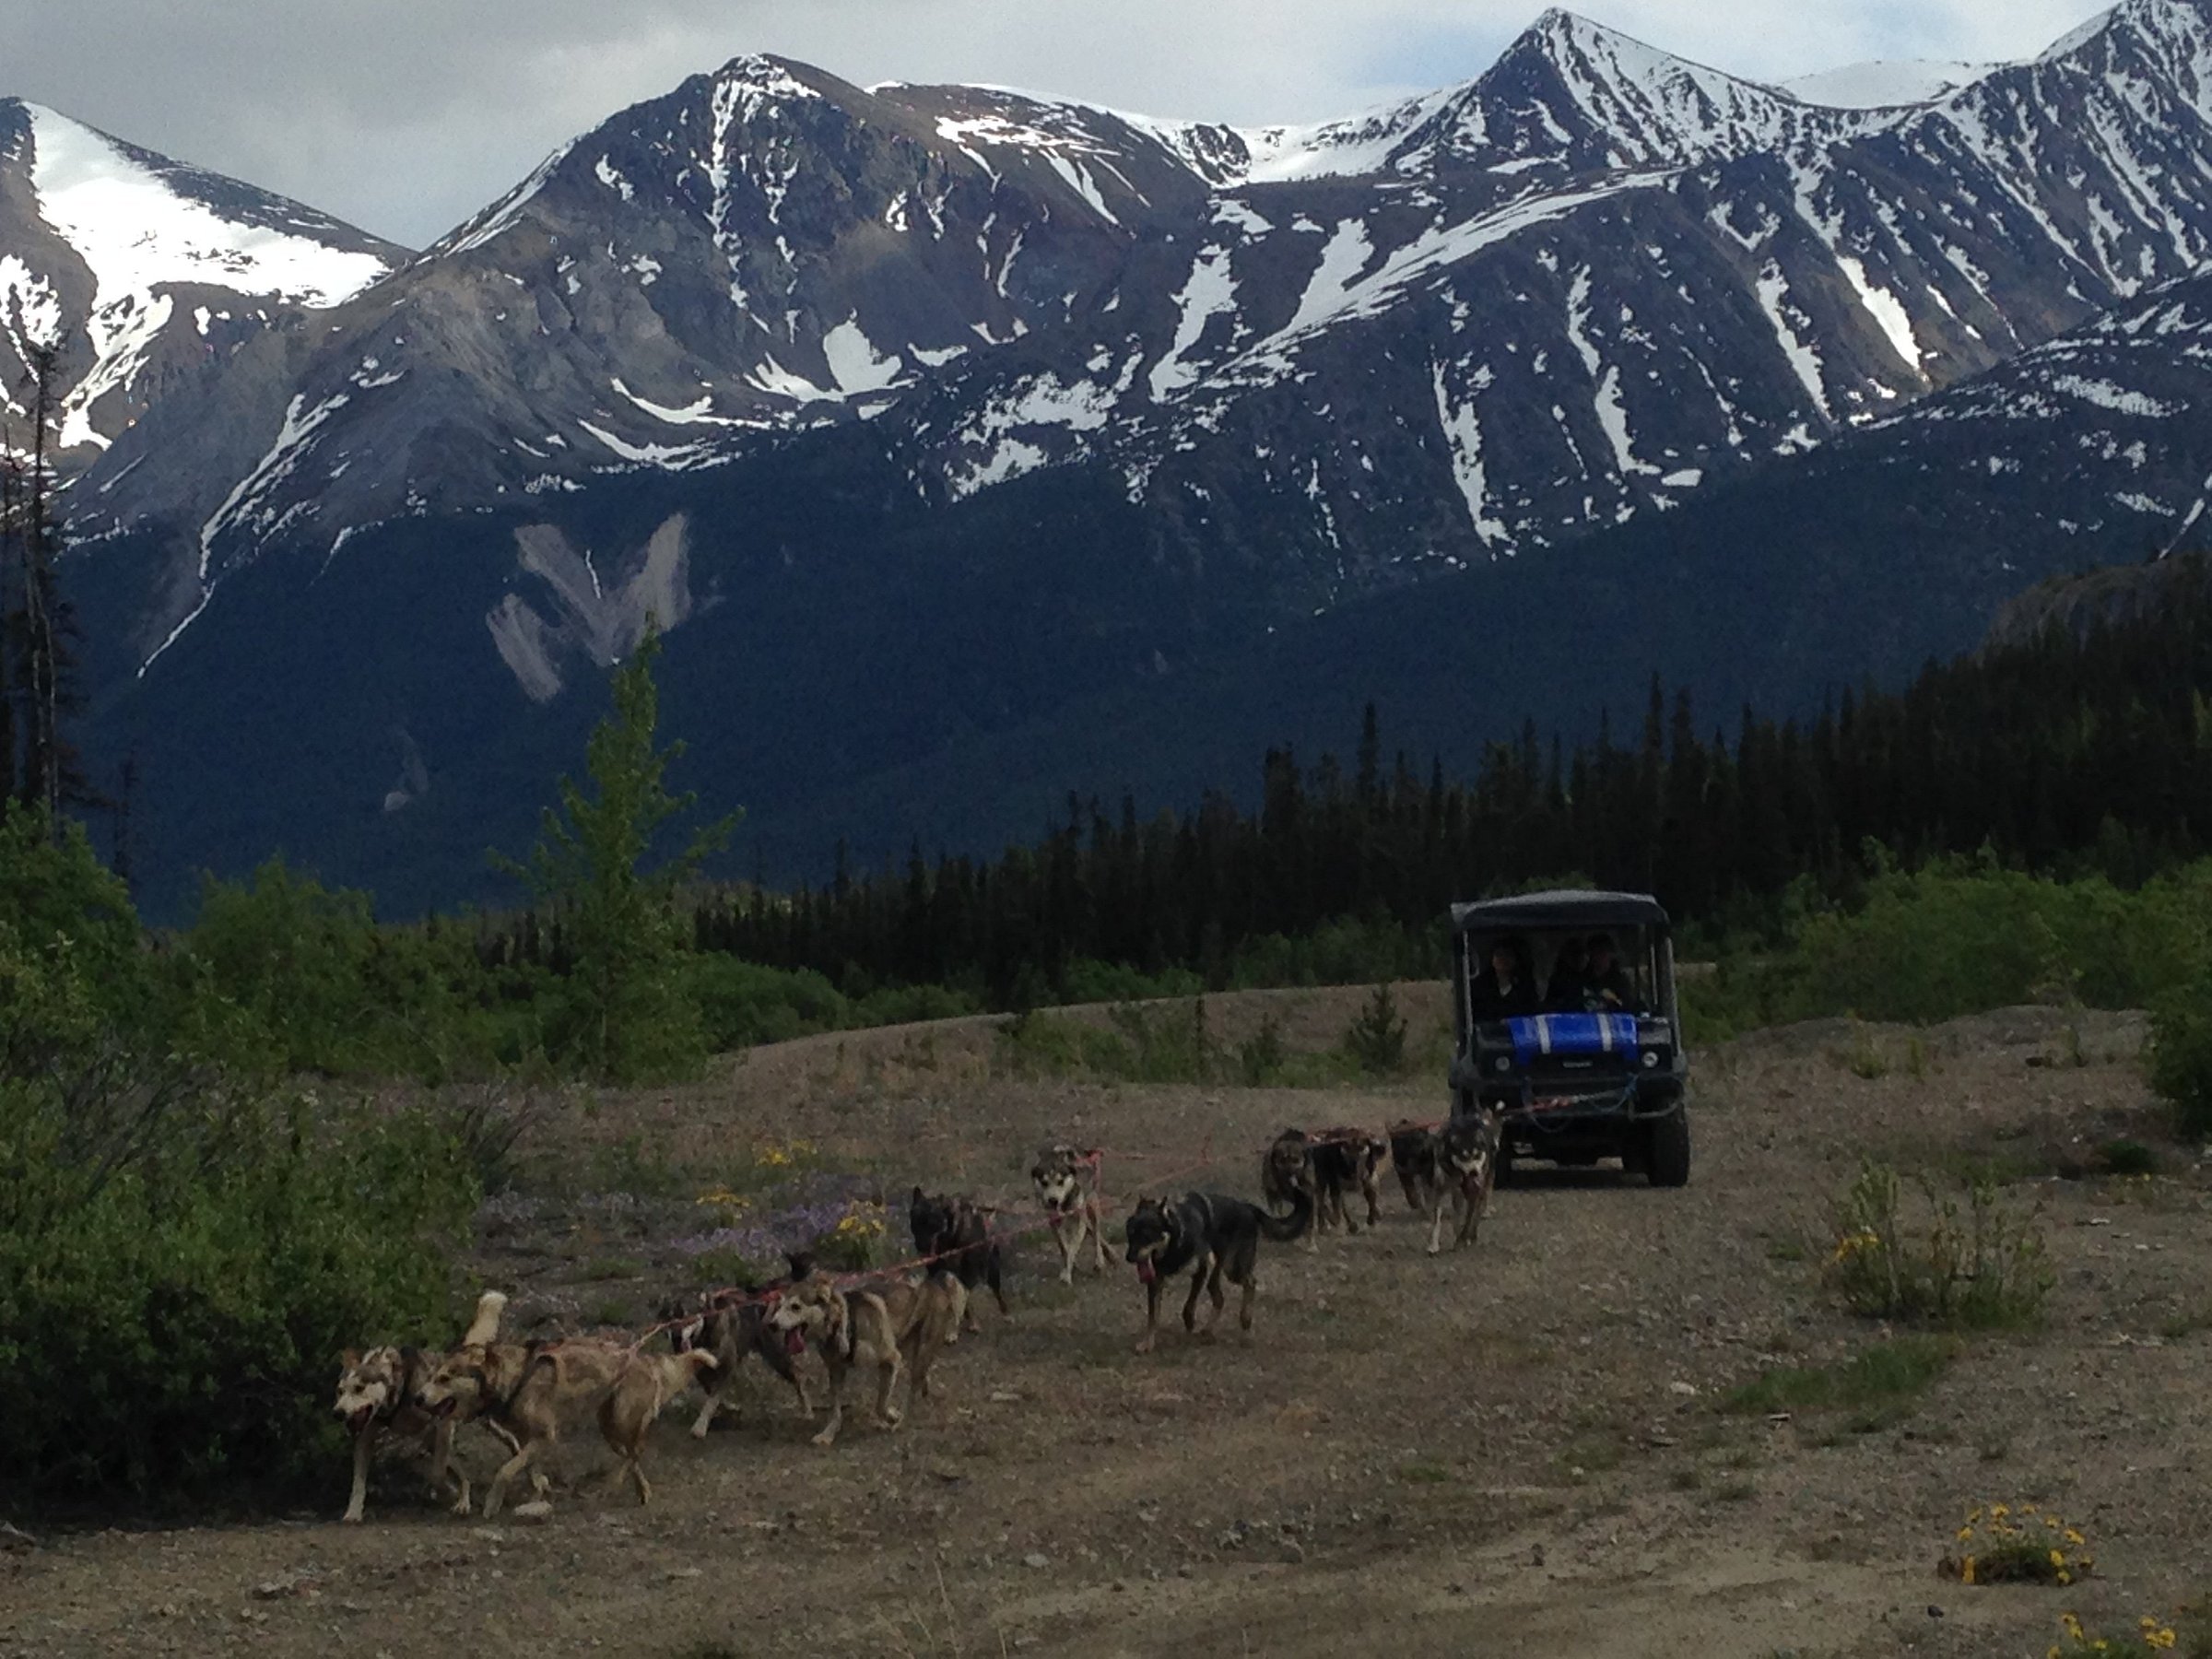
{"type": "Point", "coordinates": [1507, 1173]}
{"type": "Point", "coordinates": [1666, 1149]}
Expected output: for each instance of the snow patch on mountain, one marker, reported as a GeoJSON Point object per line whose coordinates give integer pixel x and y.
{"type": "Point", "coordinates": [1883, 84]}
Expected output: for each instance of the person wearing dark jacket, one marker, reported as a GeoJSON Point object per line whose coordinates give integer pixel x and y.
{"type": "Point", "coordinates": [1606, 985]}
{"type": "Point", "coordinates": [1563, 992]}
{"type": "Point", "coordinates": [1507, 988]}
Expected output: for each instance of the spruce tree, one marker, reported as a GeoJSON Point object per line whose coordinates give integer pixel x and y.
{"type": "Point", "coordinates": [626, 1013]}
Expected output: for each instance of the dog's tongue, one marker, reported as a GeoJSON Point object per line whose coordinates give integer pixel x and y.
{"type": "Point", "coordinates": [1145, 1272]}
{"type": "Point", "coordinates": [794, 1342]}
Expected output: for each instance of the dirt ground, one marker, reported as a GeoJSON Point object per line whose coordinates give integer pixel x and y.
{"type": "Point", "coordinates": [1520, 1449]}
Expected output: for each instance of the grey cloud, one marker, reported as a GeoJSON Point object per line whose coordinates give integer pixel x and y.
{"type": "Point", "coordinates": [405, 116]}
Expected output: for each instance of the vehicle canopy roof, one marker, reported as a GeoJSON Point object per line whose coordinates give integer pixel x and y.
{"type": "Point", "coordinates": [1563, 907]}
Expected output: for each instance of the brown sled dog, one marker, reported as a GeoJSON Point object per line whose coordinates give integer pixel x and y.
{"type": "Point", "coordinates": [1344, 1162]}
{"type": "Point", "coordinates": [532, 1389]}
{"type": "Point", "coordinates": [732, 1327]}
{"type": "Point", "coordinates": [891, 1326]}
{"type": "Point", "coordinates": [1413, 1155]}
{"type": "Point", "coordinates": [1286, 1178]}
{"type": "Point", "coordinates": [376, 1400]}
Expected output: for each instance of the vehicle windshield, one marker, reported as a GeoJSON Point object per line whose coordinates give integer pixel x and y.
{"type": "Point", "coordinates": [1561, 971]}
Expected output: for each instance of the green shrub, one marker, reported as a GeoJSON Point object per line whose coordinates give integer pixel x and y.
{"type": "Point", "coordinates": [2181, 1053]}
{"type": "Point", "coordinates": [1976, 1266]}
{"type": "Point", "coordinates": [173, 1307]}
{"type": "Point", "coordinates": [1088, 981]}
{"type": "Point", "coordinates": [1261, 1055]}
{"type": "Point", "coordinates": [1376, 1039]}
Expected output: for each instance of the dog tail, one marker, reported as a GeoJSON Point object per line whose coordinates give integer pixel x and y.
{"type": "Point", "coordinates": [485, 1327]}
{"type": "Point", "coordinates": [1283, 1228]}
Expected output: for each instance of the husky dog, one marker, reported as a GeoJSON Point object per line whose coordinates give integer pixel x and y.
{"type": "Point", "coordinates": [732, 1327]}
{"type": "Point", "coordinates": [1286, 1177]}
{"type": "Point", "coordinates": [1465, 1169]}
{"type": "Point", "coordinates": [375, 1399]}
{"type": "Point", "coordinates": [893, 1326]}
{"type": "Point", "coordinates": [953, 1235]}
{"type": "Point", "coordinates": [1217, 1238]}
{"type": "Point", "coordinates": [645, 1384]}
{"type": "Point", "coordinates": [1413, 1155]}
{"type": "Point", "coordinates": [1068, 1185]}
{"type": "Point", "coordinates": [1343, 1161]}
{"type": "Point", "coordinates": [530, 1389]}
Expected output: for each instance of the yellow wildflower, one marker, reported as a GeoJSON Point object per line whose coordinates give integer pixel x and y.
{"type": "Point", "coordinates": [2000, 1510]}
{"type": "Point", "coordinates": [1965, 1533]}
{"type": "Point", "coordinates": [1966, 1570]}
{"type": "Point", "coordinates": [2058, 1558]}
{"type": "Point", "coordinates": [2074, 1537]}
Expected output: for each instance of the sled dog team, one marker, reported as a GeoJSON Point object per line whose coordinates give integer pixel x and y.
{"type": "Point", "coordinates": [890, 1324]}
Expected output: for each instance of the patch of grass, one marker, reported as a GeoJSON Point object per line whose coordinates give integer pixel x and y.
{"type": "Point", "coordinates": [630, 1166]}
{"type": "Point", "coordinates": [2128, 1158]}
{"type": "Point", "coordinates": [1423, 1473]}
{"type": "Point", "coordinates": [1787, 1251]}
{"type": "Point", "coordinates": [1688, 1479]}
{"type": "Point", "coordinates": [1879, 1385]}
{"type": "Point", "coordinates": [2186, 1323]}
{"type": "Point", "coordinates": [1593, 1454]}
{"type": "Point", "coordinates": [1736, 1491]}
{"type": "Point", "coordinates": [611, 1267]}
{"type": "Point", "coordinates": [607, 1313]}
{"type": "Point", "coordinates": [1865, 1059]}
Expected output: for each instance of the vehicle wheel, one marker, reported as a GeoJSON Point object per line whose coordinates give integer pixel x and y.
{"type": "Point", "coordinates": [1666, 1152]}
{"type": "Point", "coordinates": [1505, 1174]}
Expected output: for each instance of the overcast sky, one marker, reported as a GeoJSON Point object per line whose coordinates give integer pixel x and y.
{"type": "Point", "coordinates": [404, 116]}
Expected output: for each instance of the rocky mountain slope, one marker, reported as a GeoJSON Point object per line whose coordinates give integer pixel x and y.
{"type": "Point", "coordinates": [144, 275]}
{"type": "Point", "coordinates": [976, 445]}
{"type": "Point", "coordinates": [1572, 290]}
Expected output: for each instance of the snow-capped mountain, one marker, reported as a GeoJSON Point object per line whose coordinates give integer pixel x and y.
{"type": "Point", "coordinates": [140, 270]}
{"type": "Point", "coordinates": [994, 403]}
{"type": "Point", "coordinates": [1576, 289]}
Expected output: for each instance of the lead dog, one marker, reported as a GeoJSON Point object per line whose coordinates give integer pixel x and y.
{"type": "Point", "coordinates": [376, 1401]}
{"type": "Point", "coordinates": [891, 1326]}
{"type": "Point", "coordinates": [732, 1327]}
{"type": "Point", "coordinates": [532, 1389]}
{"type": "Point", "coordinates": [1216, 1237]}
{"type": "Point", "coordinates": [1465, 1170]}
{"type": "Point", "coordinates": [953, 1235]}
{"type": "Point", "coordinates": [1068, 1185]}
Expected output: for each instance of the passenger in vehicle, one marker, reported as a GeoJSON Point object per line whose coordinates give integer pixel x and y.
{"type": "Point", "coordinates": [1606, 985]}
{"type": "Point", "coordinates": [1563, 991]}
{"type": "Point", "coordinates": [1507, 988]}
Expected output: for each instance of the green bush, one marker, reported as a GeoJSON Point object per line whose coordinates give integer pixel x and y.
{"type": "Point", "coordinates": [1974, 1266]}
{"type": "Point", "coordinates": [183, 1261]}
{"type": "Point", "coordinates": [2181, 1053]}
{"type": "Point", "coordinates": [741, 1003]}
{"type": "Point", "coordinates": [182, 1256]}
{"type": "Point", "coordinates": [1260, 1057]}
{"type": "Point", "coordinates": [1376, 1039]}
